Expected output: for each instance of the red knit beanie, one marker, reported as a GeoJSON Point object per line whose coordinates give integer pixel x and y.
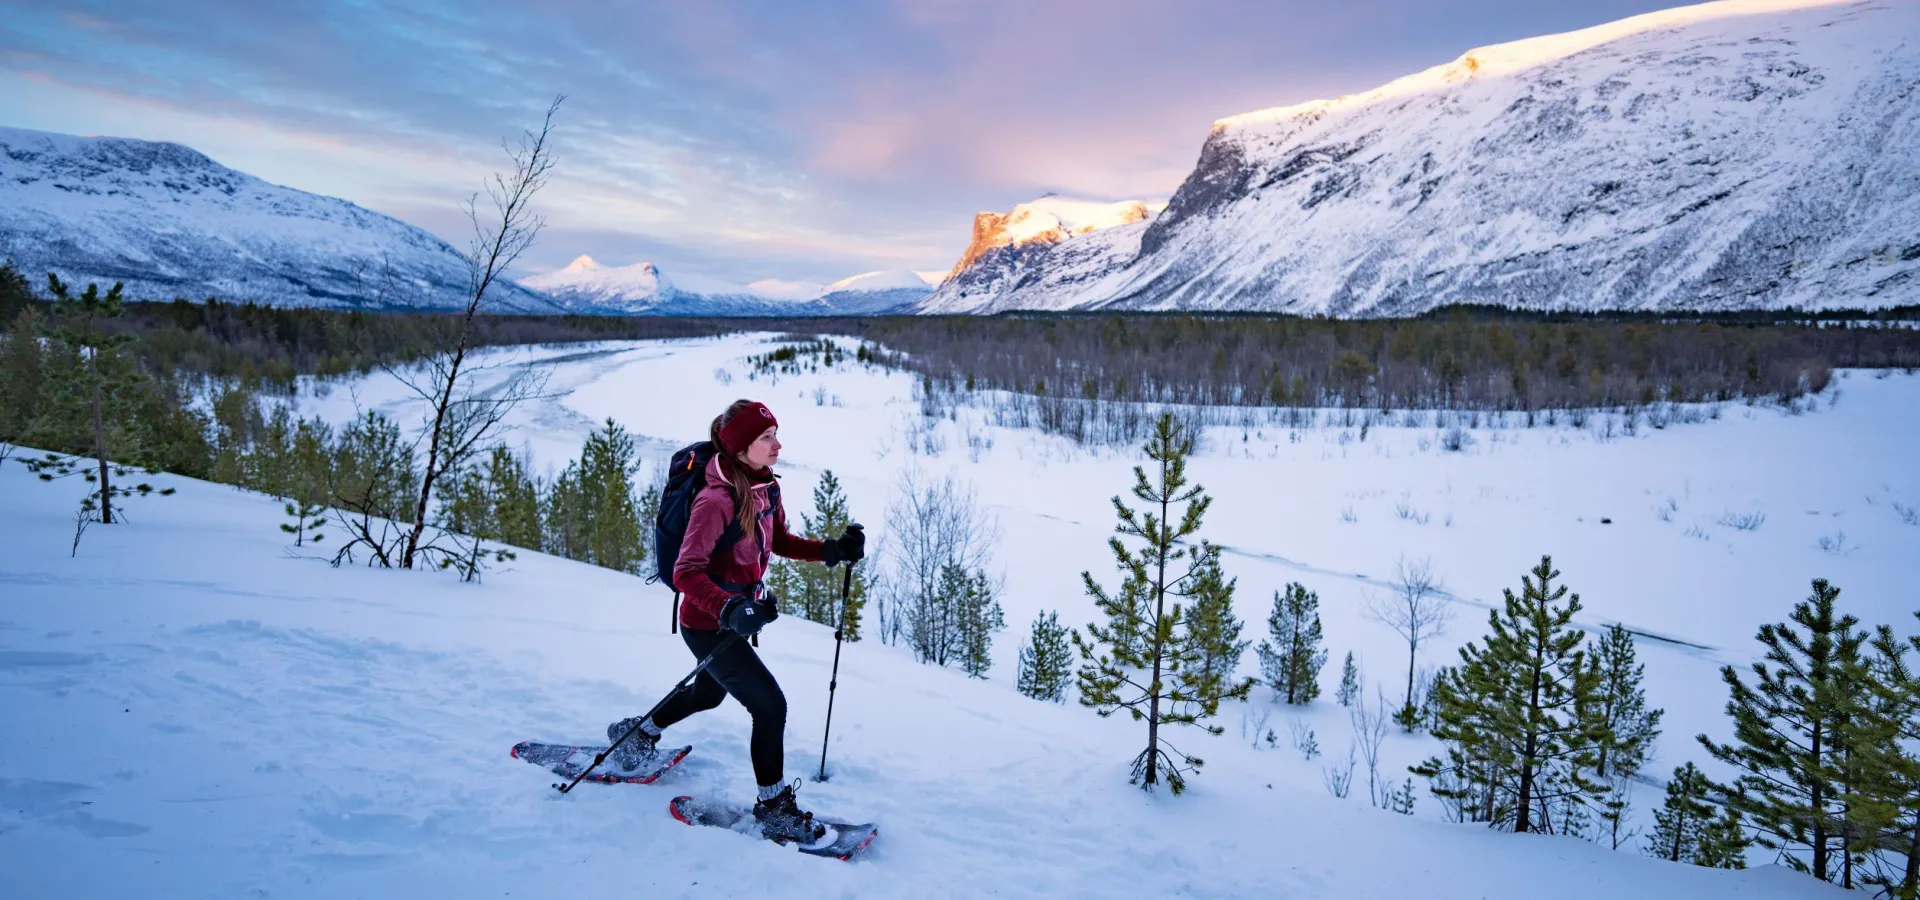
{"type": "Point", "coordinates": [746, 425]}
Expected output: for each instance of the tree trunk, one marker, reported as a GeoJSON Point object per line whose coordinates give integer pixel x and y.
{"type": "Point", "coordinates": [1521, 821]}
{"type": "Point", "coordinates": [1606, 715]}
{"type": "Point", "coordinates": [1818, 807]}
{"type": "Point", "coordinates": [1911, 880]}
{"type": "Point", "coordinates": [433, 443]}
{"type": "Point", "coordinates": [1413, 647]}
{"type": "Point", "coordinates": [100, 438]}
{"type": "Point", "coordinates": [1163, 546]}
{"type": "Point", "coordinates": [1293, 664]}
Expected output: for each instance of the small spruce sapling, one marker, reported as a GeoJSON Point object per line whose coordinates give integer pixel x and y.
{"type": "Point", "coordinates": [1350, 682]}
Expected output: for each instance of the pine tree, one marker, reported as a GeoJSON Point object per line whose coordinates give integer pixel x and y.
{"type": "Point", "coordinates": [516, 501]}
{"type": "Point", "coordinates": [494, 499]}
{"type": "Point", "coordinates": [813, 591]}
{"type": "Point", "coordinates": [96, 396]}
{"type": "Point", "coordinates": [1883, 802]}
{"type": "Point", "coordinates": [1723, 843]}
{"type": "Point", "coordinates": [589, 511]}
{"type": "Point", "coordinates": [304, 521]}
{"type": "Point", "coordinates": [310, 464]}
{"type": "Point", "coordinates": [607, 466]}
{"type": "Point", "coordinates": [465, 507]}
{"type": "Point", "coordinates": [1680, 822]}
{"type": "Point", "coordinates": [563, 515]}
{"type": "Point", "coordinates": [1789, 734]}
{"type": "Point", "coordinates": [1687, 828]}
{"type": "Point", "coordinates": [1291, 660]}
{"type": "Point", "coordinates": [16, 292]}
{"type": "Point", "coordinates": [264, 462]}
{"type": "Point", "coordinates": [1046, 662]}
{"type": "Point", "coordinates": [978, 616]}
{"type": "Point", "coordinates": [1516, 714]}
{"type": "Point", "coordinates": [1211, 624]}
{"type": "Point", "coordinates": [472, 501]}
{"type": "Point", "coordinates": [1628, 727]}
{"type": "Point", "coordinates": [1349, 681]}
{"type": "Point", "coordinates": [371, 483]}
{"type": "Point", "coordinates": [20, 376]}
{"type": "Point", "coordinates": [1143, 659]}
{"type": "Point", "coordinates": [236, 422]}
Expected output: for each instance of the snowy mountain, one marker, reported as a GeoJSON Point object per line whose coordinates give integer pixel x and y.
{"type": "Point", "coordinates": [1753, 153]}
{"type": "Point", "coordinates": [586, 286]}
{"type": "Point", "coordinates": [169, 222]}
{"type": "Point", "coordinates": [1048, 245]}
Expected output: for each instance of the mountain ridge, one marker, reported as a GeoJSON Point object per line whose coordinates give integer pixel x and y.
{"type": "Point", "coordinates": [169, 221]}
{"type": "Point", "coordinates": [1733, 155]}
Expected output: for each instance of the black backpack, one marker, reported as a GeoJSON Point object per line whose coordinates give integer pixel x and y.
{"type": "Point", "coordinates": [686, 475]}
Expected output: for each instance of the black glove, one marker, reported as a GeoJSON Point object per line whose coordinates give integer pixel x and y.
{"type": "Point", "coordinates": [745, 615]}
{"type": "Point", "coordinates": [850, 547]}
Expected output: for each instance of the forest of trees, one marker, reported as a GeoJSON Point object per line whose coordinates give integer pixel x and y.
{"type": "Point", "coordinates": [1064, 373]}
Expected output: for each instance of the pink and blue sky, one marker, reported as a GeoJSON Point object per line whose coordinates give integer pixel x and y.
{"type": "Point", "coordinates": [743, 140]}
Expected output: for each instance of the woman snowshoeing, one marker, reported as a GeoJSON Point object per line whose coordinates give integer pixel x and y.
{"type": "Point", "coordinates": [723, 594]}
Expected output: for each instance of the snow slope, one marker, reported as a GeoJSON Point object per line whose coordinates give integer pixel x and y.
{"type": "Point", "coordinates": [1749, 153]}
{"type": "Point", "coordinates": [198, 710]}
{"type": "Point", "coordinates": [170, 223]}
{"type": "Point", "coordinates": [585, 285]}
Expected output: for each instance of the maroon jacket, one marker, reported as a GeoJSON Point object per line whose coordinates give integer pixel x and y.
{"type": "Point", "coordinates": [698, 574]}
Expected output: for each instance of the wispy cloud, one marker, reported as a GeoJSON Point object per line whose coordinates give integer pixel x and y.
{"type": "Point", "coordinates": [730, 137]}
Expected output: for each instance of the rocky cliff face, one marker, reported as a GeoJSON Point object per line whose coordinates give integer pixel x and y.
{"type": "Point", "coordinates": [1724, 156]}
{"type": "Point", "coordinates": [1039, 247]}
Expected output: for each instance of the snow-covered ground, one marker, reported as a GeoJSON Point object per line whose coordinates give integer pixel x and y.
{"type": "Point", "coordinates": [194, 709]}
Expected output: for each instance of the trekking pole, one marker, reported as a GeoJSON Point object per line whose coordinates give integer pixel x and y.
{"type": "Point", "coordinates": [684, 683]}
{"type": "Point", "coordinates": [839, 626]}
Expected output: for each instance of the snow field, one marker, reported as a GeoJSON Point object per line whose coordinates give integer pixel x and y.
{"type": "Point", "coordinates": [195, 710]}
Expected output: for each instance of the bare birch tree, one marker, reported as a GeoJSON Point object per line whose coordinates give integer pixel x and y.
{"type": "Point", "coordinates": [1416, 610]}
{"type": "Point", "coordinates": [463, 410]}
{"type": "Point", "coordinates": [933, 524]}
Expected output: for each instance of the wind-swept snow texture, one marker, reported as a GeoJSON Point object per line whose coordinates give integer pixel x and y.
{"type": "Point", "coordinates": [1743, 154]}
{"type": "Point", "coordinates": [192, 708]}
{"type": "Point", "coordinates": [169, 222]}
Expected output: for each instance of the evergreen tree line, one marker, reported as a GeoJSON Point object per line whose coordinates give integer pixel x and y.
{"type": "Point", "coordinates": [271, 346]}
{"type": "Point", "coordinates": [361, 479]}
{"type": "Point", "coordinates": [73, 384]}
{"type": "Point", "coordinates": [1454, 360]}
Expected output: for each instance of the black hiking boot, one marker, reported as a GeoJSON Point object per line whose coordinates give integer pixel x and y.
{"type": "Point", "coordinates": [781, 820]}
{"type": "Point", "coordinates": [635, 751]}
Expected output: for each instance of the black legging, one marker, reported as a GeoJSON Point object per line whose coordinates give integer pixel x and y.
{"type": "Point", "coordinates": [739, 672]}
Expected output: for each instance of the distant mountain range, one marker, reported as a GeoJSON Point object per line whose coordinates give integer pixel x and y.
{"type": "Point", "coordinates": [169, 222]}
{"type": "Point", "coordinates": [1751, 154]}
{"type": "Point", "coordinates": [587, 286]}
